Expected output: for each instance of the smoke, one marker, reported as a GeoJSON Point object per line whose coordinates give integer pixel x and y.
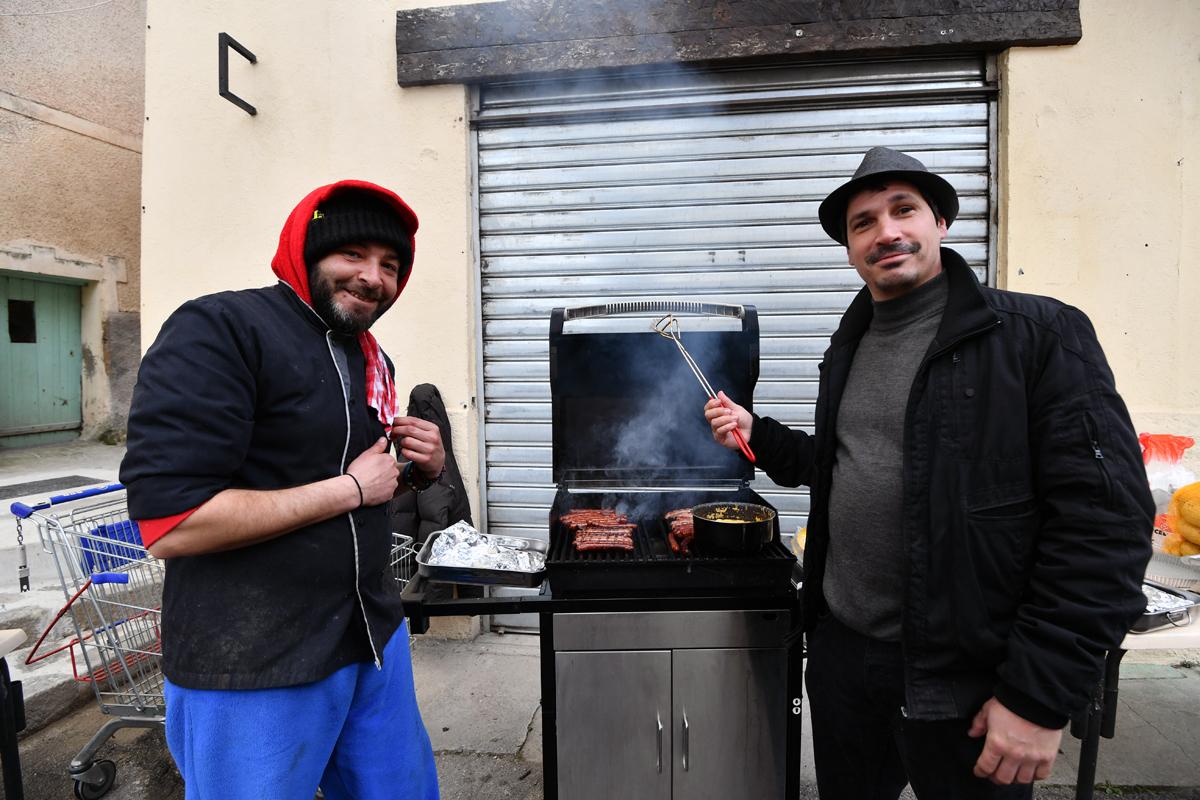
{"type": "Point", "coordinates": [669, 430]}
{"type": "Point", "coordinates": [634, 412]}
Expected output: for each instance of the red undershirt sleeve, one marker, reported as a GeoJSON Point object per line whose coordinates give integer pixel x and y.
{"type": "Point", "coordinates": [154, 529]}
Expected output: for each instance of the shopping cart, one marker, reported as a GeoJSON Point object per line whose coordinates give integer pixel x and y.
{"type": "Point", "coordinates": [113, 588]}
{"type": "Point", "coordinates": [404, 559]}
{"type": "Point", "coordinates": [404, 564]}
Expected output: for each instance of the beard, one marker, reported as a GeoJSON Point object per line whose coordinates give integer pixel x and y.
{"type": "Point", "coordinates": [339, 319]}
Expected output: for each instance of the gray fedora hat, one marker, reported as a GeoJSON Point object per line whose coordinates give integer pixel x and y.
{"type": "Point", "coordinates": [880, 165]}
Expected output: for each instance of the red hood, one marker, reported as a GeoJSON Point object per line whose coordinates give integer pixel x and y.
{"type": "Point", "coordinates": [288, 263]}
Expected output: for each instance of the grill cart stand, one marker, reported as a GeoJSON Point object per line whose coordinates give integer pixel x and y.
{"type": "Point", "coordinates": [742, 653]}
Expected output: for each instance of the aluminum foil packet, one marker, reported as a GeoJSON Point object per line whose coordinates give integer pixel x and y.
{"type": "Point", "coordinates": [1158, 601]}
{"type": "Point", "coordinates": [460, 545]}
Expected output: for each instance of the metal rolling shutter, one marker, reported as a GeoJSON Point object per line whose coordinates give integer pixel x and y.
{"type": "Point", "coordinates": [693, 184]}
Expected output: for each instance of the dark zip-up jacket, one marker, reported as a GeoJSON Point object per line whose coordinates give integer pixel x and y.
{"type": "Point", "coordinates": [444, 503]}
{"type": "Point", "coordinates": [250, 390]}
{"type": "Point", "coordinates": [1027, 514]}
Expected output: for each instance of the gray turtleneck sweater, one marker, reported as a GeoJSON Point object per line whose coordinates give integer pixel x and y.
{"type": "Point", "coordinates": [867, 564]}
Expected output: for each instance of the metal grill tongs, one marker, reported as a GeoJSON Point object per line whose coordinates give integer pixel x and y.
{"type": "Point", "coordinates": [668, 328]}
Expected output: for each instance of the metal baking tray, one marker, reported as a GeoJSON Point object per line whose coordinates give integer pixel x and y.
{"type": "Point", "coordinates": [490, 577]}
{"type": "Point", "coordinates": [1178, 618]}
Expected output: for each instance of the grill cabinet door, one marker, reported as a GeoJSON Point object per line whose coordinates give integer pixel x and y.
{"type": "Point", "coordinates": [730, 724]}
{"type": "Point", "coordinates": [610, 741]}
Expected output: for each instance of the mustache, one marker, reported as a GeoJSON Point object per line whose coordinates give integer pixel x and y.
{"type": "Point", "coordinates": [886, 250]}
{"type": "Point", "coordinates": [363, 291]}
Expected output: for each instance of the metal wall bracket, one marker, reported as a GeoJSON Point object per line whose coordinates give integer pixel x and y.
{"type": "Point", "coordinates": [224, 42]}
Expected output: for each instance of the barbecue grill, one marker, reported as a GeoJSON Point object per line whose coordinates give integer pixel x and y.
{"type": "Point", "coordinates": [662, 675]}
{"type": "Point", "coordinates": [629, 435]}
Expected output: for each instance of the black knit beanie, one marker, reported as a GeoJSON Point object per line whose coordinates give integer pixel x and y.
{"type": "Point", "coordinates": [355, 215]}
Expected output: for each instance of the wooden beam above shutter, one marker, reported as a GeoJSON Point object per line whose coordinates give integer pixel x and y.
{"type": "Point", "coordinates": [486, 41]}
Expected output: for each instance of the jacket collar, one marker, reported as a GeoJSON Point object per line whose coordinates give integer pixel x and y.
{"type": "Point", "coordinates": [302, 308]}
{"type": "Point", "coordinates": [967, 310]}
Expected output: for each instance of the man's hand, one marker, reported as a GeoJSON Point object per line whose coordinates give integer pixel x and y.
{"type": "Point", "coordinates": [1016, 750]}
{"type": "Point", "coordinates": [420, 442]}
{"type": "Point", "coordinates": [723, 416]}
{"type": "Point", "coordinates": [376, 472]}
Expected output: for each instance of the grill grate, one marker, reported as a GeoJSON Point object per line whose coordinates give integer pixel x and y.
{"type": "Point", "coordinates": [652, 569]}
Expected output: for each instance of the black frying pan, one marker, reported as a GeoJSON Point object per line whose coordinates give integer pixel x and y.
{"type": "Point", "coordinates": [731, 529]}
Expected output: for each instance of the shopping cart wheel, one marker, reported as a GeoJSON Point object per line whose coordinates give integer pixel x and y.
{"type": "Point", "coordinates": [94, 791]}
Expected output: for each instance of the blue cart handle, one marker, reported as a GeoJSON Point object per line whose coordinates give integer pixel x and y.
{"type": "Point", "coordinates": [22, 511]}
{"type": "Point", "coordinates": [110, 577]}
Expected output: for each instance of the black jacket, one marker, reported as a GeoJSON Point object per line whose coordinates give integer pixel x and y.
{"type": "Point", "coordinates": [249, 390]}
{"type": "Point", "coordinates": [1027, 514]}
{"type": "Point", "coordinates": [419, 514]}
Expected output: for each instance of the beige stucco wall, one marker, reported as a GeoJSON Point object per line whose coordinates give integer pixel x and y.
{"type": "Point", "coordinates": [1100, 171]}
{"type": "Point", "coordinates": [70, 170]}
{"type": "Point", "coordinates": [1099, 160]}
{"type": "Point", "coordinates": [219, 183]}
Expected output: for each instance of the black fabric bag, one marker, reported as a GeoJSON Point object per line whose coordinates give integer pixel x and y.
{"type": "Point", "coordinates": [419, 514]}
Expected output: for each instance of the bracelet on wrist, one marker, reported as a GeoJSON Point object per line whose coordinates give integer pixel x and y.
{"type": "Point", "coordinates": [414, 479]}
{"type": "Point", "coordinates": [361, 500]}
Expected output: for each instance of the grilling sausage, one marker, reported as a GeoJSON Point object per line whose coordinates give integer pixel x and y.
{"type": "Point", "coordinates": [599, 529]}
{"type": "Point", "coordinates": [679, 530]}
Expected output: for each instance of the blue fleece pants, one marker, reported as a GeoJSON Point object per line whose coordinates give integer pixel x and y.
{"type": "Point", "coordinates": [358, 734]}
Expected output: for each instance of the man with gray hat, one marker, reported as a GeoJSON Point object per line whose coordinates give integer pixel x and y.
{"type": "Point", "coordinates": [980, 517]}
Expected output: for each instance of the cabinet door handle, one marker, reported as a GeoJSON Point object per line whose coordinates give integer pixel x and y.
{"type": "Point", "coordinates": [658, 761]}
{"type": "Point", "coordinates": [685, 741]}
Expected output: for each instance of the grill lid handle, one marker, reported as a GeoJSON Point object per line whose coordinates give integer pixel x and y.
{"type": "Point", "coordinates": [654, 307]}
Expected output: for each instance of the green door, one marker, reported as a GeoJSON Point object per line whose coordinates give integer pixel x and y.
{"type": "Point", "coordinates": [40, 361]}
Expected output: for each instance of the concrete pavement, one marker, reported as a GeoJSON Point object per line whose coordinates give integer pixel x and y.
{"type": "Point", "coordinates": [480, 698]}
{"type": "Point", "coordinates": [480, 701]}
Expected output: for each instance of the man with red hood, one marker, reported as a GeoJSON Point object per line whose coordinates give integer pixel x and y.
{"type": "Point", "coordinates": [258, 466]}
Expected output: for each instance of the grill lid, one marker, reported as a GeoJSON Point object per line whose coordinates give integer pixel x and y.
{"type": "Point", "coordinates": [625, 406]}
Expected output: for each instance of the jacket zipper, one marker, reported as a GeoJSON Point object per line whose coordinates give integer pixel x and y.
{"type": "Point", "coordinates": [922, 368]}
{"type": "Point", "coordinates": [953, 343]}
{"type": "Point", "coordinates": [1089, 424]}
{"type": "Point", "coordinates": [350, 514]}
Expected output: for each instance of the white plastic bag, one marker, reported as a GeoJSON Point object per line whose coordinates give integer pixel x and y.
{"type": "Point", "coordinates": [1163, 454]}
